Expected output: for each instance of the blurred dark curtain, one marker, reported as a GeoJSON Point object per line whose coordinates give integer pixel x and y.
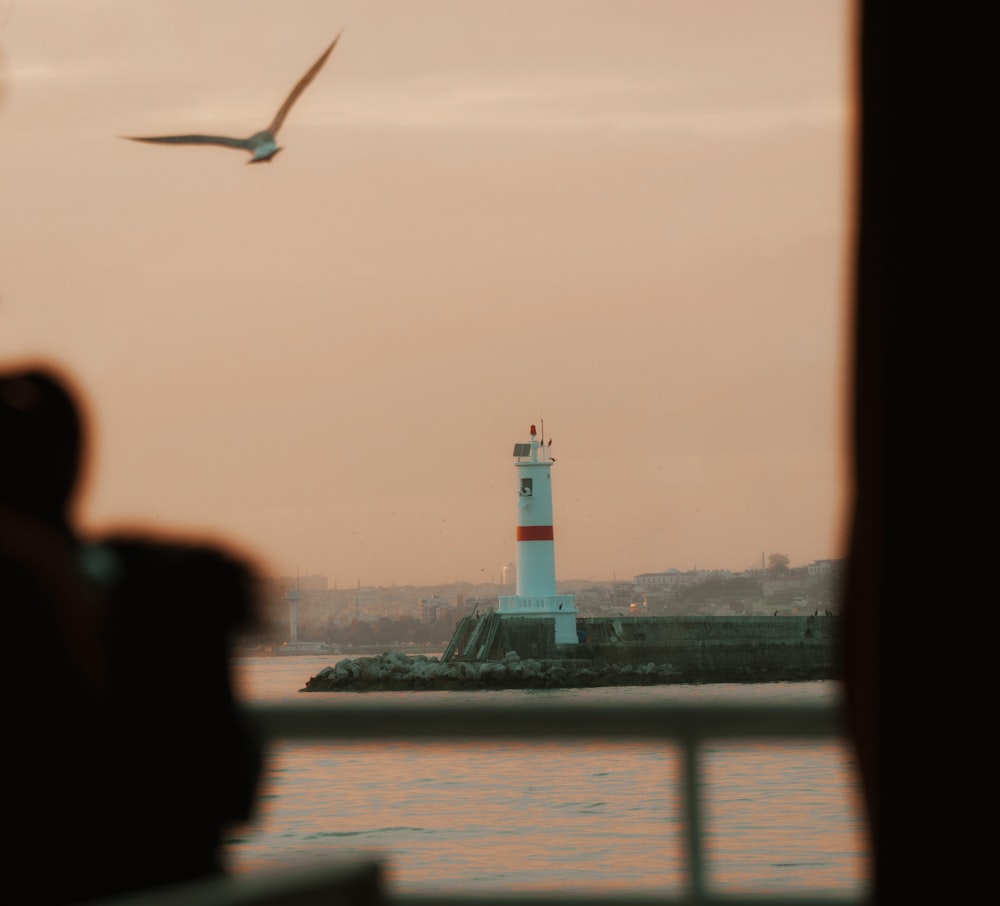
{"type": "Point", "coordinates": [921, 585]}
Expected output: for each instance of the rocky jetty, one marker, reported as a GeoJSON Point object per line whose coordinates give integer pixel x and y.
{"type": "Point", "coordinates": [400, 673]}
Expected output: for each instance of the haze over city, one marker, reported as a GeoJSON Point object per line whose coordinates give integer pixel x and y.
{"type": "Point", "coordinates": [625, 219]}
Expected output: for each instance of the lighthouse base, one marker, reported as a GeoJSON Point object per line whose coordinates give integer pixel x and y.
{"type": "Point", "coordinates": [559, 608]}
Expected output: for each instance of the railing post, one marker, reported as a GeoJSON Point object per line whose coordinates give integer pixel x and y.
{"type": "Point", "coordinates": [692, 786]}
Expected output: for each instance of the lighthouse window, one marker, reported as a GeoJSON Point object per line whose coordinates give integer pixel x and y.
{"type": "Point", "coordinates": [525, 487]}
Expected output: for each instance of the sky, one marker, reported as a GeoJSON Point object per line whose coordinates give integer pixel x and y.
{"type": "Point", "coordinates": [626, 220]}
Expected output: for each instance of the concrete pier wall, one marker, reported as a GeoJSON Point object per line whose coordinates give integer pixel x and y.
{"type": "Point", "coordinates": [702, 647]}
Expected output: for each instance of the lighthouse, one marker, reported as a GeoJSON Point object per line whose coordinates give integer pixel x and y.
{"type": "Point", "coordinates": [536, 563]}
{"type": "Point", "coordinates": [293, 596]}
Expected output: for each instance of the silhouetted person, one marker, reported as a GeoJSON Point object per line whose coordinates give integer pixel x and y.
{"type": "Point", "coordinates": [181, 765]}
{"type": "Point", "coordinates": [54, 670]}
{"type": "Point", "coordinates": [129, 758]}
{"type": "Point", "coordinates": [917, 666]}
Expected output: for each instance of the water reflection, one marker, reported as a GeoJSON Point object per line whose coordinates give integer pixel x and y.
{"type": "Point", "coordinates": [783, 817]}
{"type": "Point", "coordinates": [514, 816]}
{"type": "Point", "coordinates": [584, 817]}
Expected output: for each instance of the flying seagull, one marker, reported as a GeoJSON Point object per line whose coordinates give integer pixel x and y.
{"type": "Point", "coordinates": [262, 145]}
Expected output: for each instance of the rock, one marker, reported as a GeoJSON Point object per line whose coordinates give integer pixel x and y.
{"type": "Point", "coordinates": [397, 672]}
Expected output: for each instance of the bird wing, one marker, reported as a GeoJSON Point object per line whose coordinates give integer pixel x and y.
{"type": "Point", "coordinates": [223, 140]}
{"type": "Point", "coordinates": [300, 86]}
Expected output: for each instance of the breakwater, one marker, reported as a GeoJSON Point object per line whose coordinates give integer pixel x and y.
{"type": "Point", "coordinates": [518, 653]}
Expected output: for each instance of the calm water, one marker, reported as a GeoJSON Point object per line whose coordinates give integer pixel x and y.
{"type": "Point", "coordinates": [554, 816]}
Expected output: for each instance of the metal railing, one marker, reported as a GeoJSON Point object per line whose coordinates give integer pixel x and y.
{"type": "Point", "coordinates": [687, 726]}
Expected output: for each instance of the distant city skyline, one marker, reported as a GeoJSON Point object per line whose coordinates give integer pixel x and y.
{"type": "Point", "coordinates": [307, 582]}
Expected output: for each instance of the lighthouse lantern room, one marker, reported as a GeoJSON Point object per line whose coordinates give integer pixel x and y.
{"type": "Point", "coordinates": [536, 568]}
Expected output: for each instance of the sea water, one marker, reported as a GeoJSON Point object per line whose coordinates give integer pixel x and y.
{"type": "Point", "coordinates": [557, 816]}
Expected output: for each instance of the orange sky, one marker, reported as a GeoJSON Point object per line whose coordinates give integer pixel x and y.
{"type": "Point", "coordinates": [624, 217]}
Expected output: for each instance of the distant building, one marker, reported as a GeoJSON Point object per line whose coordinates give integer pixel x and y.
{"type": "Point", "coordinates": [672, 578]}
{"type": "Point", "coordinates": [508, 574]}
{"type": "Point", "coordinates": [433, 609]}
{"type": "Point", "coordinates": [825, 567]}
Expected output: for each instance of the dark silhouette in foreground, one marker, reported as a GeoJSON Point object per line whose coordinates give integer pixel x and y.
{"type": "Point", "coordinates": [923, 533]}
{"type": "Point", "coordinates": [128, 758]}
{"type": "Point", "coordinates": [179, 761]}
{"type": "Point", "coordinates": [55, 674]}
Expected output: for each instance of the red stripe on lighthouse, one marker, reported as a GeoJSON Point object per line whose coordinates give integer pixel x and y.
{"type": "Point", "coordinates": [534, 533]}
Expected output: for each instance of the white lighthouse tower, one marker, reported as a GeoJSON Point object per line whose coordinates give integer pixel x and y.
{"type": "Point", "coordinates": [293, 596]}
{"type": "Point", "coordinates": [536, 565]}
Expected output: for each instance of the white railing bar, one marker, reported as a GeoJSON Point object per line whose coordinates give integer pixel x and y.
{"type": "Point", "coordinates": [685, 723]}
{"type": "Point", "coordinates": [544, 898]}
{"type": "Point", "coordinates": [688, 725]}
{"type": "Point", "coordinates": [331, 886]}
